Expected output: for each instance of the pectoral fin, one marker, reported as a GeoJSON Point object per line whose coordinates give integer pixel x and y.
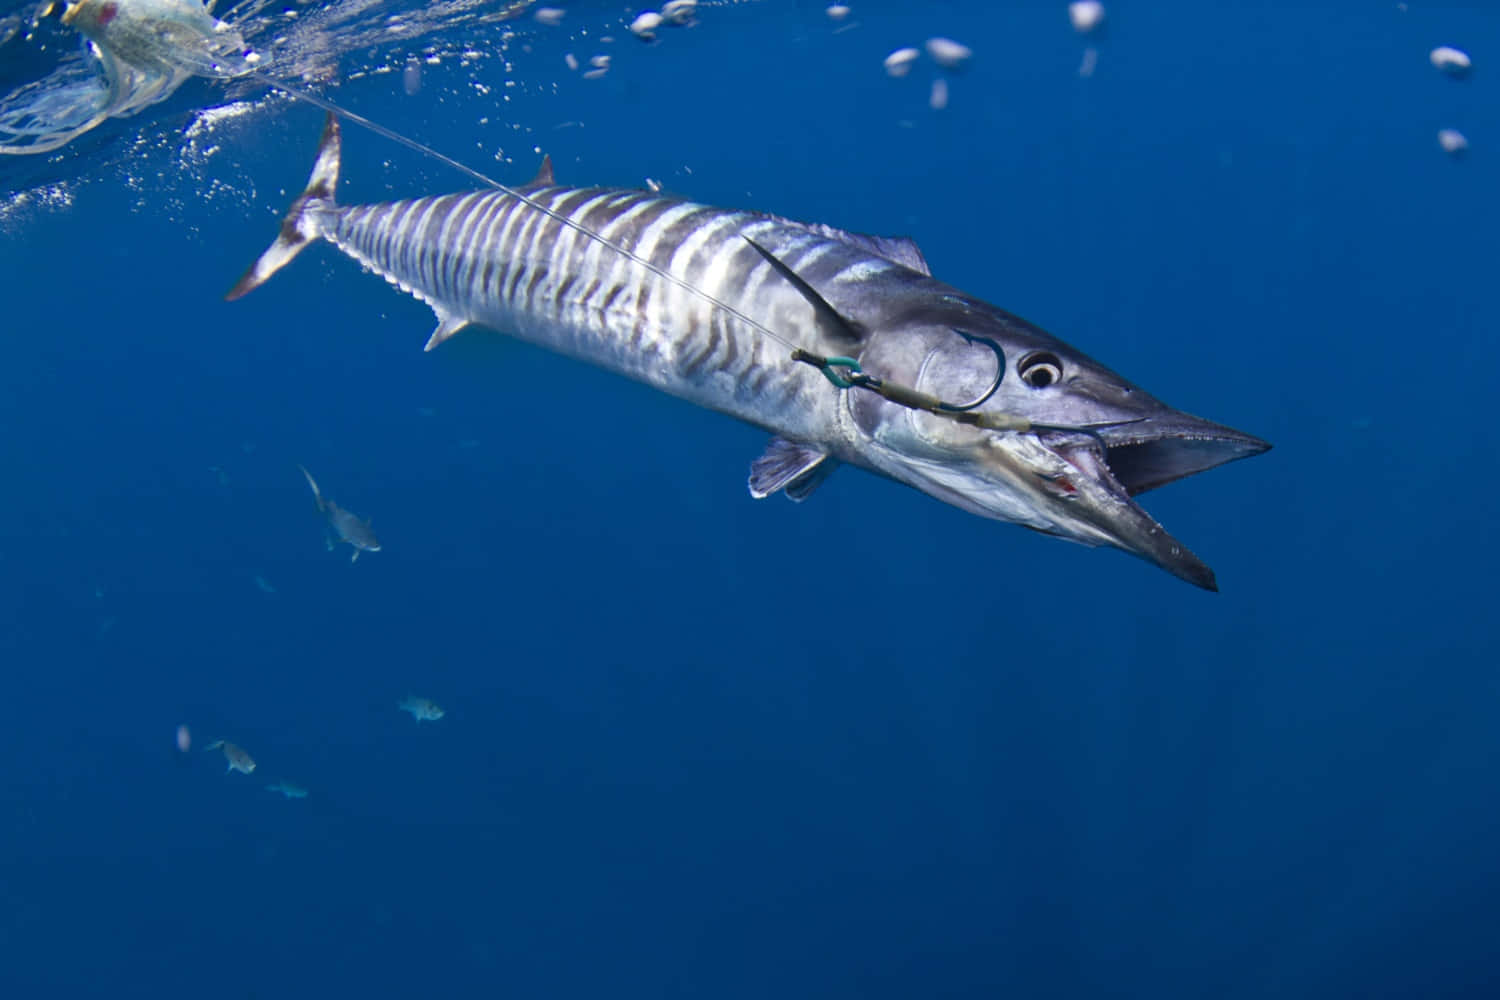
{"type": "Point", "coordinates": [786, 465]}
{"type": "Point", "coordinates": [835, 325]}
{"type": "Point", "coordinates": [802, 487]}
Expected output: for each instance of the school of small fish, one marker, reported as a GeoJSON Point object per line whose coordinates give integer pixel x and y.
{"type": "Point", "coordinates": [238, 759]}
{"type": "Point", "coordinates": [344, 528]}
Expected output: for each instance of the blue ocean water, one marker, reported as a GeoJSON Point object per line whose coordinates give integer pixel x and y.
{"type": "Point", "coordinates": [701, 745]}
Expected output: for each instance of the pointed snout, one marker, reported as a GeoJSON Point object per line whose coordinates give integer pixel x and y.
{"type": "Point", "coordinates": [1160, 449]}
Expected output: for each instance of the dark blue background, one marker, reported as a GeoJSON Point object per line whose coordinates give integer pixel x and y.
{"type": "Point", "coordinates": [690, 749]}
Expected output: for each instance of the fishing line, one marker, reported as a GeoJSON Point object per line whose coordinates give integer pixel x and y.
{"type": "Point", "coordinates": [469, 171]}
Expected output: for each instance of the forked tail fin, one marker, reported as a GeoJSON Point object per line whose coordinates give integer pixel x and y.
{"type": "Point", "coordinates": [300, 227]}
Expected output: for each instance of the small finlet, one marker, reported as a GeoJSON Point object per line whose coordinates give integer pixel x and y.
{"type": "Point", "coordinates": [447, 327]}
{"type": "Point", "coordinates": [544, 176]}
{"type": "Point", "coordinates": [783, 464]}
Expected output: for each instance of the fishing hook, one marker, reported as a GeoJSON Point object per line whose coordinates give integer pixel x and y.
{"type": "Point", "coordinates": [994, 386]}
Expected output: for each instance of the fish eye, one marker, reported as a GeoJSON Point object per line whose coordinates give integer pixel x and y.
{"type": "Point", "coordinates": [1040, 370]}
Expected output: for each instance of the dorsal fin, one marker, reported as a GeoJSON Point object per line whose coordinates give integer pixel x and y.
{"type": "Point", "coordinates": [901, 250]}
{"type": "Point", "coordinates": [544, 176]}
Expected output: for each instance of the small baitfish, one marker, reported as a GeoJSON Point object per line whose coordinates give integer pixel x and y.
{"type": "Point", "coordinates": [288, 790]}
{"type": "Point", "coordinates": [347, 527]}
{"type": "Point", "coordinates": [754, 315]}
{"type": "Point", "coordinates": [238, 759]}
{"type": "Point", "coordinates": [421, 709]}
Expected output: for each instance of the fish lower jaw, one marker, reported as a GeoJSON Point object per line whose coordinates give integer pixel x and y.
{"type": "Point", "coordinates": [996, 491]}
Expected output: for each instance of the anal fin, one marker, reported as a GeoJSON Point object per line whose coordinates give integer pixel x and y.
{"type": "Point", "coordinates": [447, 327]}
{"type": "Point", "coordinates": [787, 464]}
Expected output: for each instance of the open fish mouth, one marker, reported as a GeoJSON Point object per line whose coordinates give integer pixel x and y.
{"type": "Point", "coordinates": [1123, 460]}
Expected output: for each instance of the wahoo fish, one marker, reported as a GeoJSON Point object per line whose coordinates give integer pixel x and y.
{"type": "Point", "coordinates": [347, 527]}
{"type": "Point", "coordinates": [754, 315]}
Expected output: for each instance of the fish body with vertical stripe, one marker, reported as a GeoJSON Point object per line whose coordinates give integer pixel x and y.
{"type": "Point", "coordinates": [707, 304]}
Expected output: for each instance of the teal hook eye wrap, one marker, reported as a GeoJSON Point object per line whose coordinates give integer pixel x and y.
{"type": "Point", "coordinates": [840, 361]}
{"type": "Point", "coordinates": [827, 366]}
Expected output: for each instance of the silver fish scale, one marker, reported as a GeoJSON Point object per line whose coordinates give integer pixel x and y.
{"type": "Point", "coordinates": [489, 258]}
